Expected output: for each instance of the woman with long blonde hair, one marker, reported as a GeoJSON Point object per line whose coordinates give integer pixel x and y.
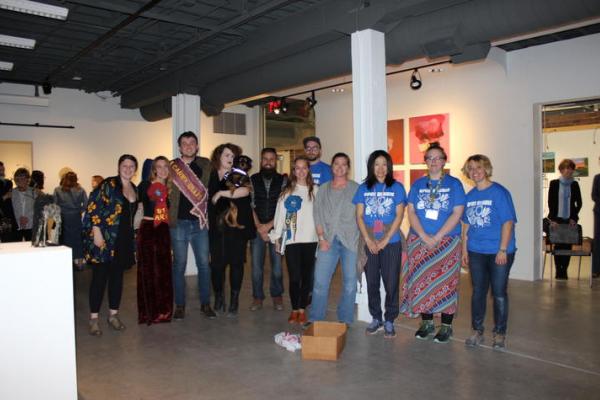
{"type": "Point", "coordinates": [295, 234]}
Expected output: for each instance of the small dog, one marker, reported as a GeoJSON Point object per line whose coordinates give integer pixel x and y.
{"type": "Point", "coordinates": [236, 178]}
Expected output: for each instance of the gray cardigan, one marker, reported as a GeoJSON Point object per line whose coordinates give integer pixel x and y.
{"type": "Point", "coordinates": [336, 213]}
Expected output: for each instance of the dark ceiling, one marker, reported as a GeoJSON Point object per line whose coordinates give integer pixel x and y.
{"type": "Point", "coordinates": [226, 50]}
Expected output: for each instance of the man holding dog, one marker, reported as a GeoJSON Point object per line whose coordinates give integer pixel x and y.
{"type": "Point", "coordinates": [267, 184]}
{"type": "Point", "coordinates": [188, 221]}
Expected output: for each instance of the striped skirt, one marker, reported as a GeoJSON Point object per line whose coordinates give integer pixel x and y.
{"type": "Point", "coordinates": [429, 278]}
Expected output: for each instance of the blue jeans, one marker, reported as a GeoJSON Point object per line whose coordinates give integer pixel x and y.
{"type": "Point", "coordinates": [189, 232]}
{"type": "Point", "coordinates": [324, 268]}
{"type": "Point", "coordinates": [485, 273]}
{"type": "Point", "coordinates": [258, 265]}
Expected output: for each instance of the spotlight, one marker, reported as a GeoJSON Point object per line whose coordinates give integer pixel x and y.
{"type": "Point", "coordinates": [283, 105]}
{"type": "Point", "coordinates": [311, 101]}
{"type": "Point", "coordinates": [415, 80]}
{"type": "Point", "coordinates": [47, 88]}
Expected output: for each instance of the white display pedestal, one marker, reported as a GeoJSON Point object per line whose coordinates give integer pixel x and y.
{"type": "Point", "coordinates": [37, 336]}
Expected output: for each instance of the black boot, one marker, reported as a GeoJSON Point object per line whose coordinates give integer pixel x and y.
{"type": "Point", "coordinates": [234, 303]}
{"type": "Point", "coordinates": [219, 302]}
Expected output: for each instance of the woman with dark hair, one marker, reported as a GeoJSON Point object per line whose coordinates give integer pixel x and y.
{"type": "Point", "coordinates": [488, 247]}
{"type": "Point", "coordinates": [431, 275]}
{"type": "Point", "coordinates": [109, 242]}
{"type": "Point", "coordinates": [72, 200]}
{"type": "Point", "coordinates": [335, 220]}
{"type": "Point", "coordinates": [37, 181]}
{"type": "Point", "coordinates": [295, 236]}
{"type": "Point", "coordinates": [23, 198]}
{"type": "Point", "coordinates": [564, 204]}
{"type": "Point", "coordinates": [154, 279]}
{"type": "Point", "coordinates": [380, 204]}
{"type": "Point", "coordinates": [227, 242]}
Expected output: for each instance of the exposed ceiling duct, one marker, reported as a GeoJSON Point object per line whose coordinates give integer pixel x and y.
{"type": "Point", "coordinates": [459, 30]}
{"type": "Point", "coordinates": [224, 51]}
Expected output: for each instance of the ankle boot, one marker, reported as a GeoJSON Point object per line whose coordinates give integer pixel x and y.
{"type": "Point", "coordinates": [234, 303]}
{"type": "Point", "coordinates": [219, 302]}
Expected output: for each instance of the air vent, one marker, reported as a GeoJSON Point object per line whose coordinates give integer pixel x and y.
{"type": "Point", "coordinates": [230, 123]}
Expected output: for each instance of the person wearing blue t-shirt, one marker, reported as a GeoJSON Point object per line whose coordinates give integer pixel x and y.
{"type": "Point", "coordinates": [430, 277]}
{"type": "Point", "coordinates": [320, 171]}
{"type": "Point", "coordinates": [488, 247]}
{"type": "Point", "coordinates": [380, 204]}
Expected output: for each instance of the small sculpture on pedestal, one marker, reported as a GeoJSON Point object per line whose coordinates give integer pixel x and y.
{"type": "Point", "coordinates": [46, 222]}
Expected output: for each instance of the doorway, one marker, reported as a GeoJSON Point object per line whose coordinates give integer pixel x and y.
{"type": "Point", "coordinates": [569, 131]}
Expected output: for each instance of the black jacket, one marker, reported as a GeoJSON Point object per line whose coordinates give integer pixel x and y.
{"type": "Point", "coordinates": [575, 205]}
{"type": "Point", "coordinates": [265, 203]}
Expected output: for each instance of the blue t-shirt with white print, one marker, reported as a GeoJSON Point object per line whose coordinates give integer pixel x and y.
{"type": "Point", "coordinates": [434, 212]}
{"type": "Point", "coordinates": [380, 204]}
{"type": "Point", "coordinates": [485, 213]}
{"type": "Point", "coordinates": [321, 173]}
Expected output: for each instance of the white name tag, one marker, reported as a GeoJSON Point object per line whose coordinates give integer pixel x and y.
{"type": "Point", "coordinates": [432, 214]}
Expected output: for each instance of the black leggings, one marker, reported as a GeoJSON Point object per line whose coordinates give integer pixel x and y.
{"type": "Point", "coordinates": [300, 260]}
{"type": "Point", "coordinates": [227, 251]}
{"type": "Point", "coordinates": [101, 274]}
{"type": "Point", "coordinates": [446, 318]}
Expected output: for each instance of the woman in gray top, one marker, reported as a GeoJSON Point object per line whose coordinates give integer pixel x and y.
{"type": "Point", "coordinates": [335, 221]}
{"type": "Point", "coordinates": [72, 200]}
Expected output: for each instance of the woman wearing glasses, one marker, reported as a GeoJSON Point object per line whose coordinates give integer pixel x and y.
{"type": "Point", "coordinates": [430, 278]}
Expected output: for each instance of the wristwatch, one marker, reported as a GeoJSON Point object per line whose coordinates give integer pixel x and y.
{"type": "Point", "coordinates": [502, 251]}
{"type": "Point", "coordinates": [321, 238]}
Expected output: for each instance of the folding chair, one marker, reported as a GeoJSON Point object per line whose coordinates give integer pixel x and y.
{"type": "Point", "coordinates": [571, 235]}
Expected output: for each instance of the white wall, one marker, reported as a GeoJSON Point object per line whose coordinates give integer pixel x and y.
{"type": "Point", "coordinates": [103, 131]}
{"type": "Point", "coordinates": [491, 112]}
{"type": "Point", "coordinates": [575, 144]}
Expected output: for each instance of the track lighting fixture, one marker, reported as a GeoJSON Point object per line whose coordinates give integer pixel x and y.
{"type": "Point", "coordinates": [415, 80]}
{"type": "Point", "coordinates": [311, 101]}
{"type": "Point", "coordinates": [283, 105]}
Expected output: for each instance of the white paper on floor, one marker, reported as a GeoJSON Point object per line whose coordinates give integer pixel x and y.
{"type": "Point", "coordinates": [290, 341]}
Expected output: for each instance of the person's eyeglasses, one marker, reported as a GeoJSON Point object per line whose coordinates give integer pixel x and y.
{"type": "Point", "coordinates": [311, 148]}
{"type": "Point", "coordinates": [432, 159]}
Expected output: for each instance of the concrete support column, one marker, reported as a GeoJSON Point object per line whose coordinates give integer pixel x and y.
{"type": "Point", "coordinates": [370, 116]}
{"type": "Point", "coordinates": [185, 110]}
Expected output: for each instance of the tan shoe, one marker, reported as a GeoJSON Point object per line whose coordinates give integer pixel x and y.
{"type": "Point", "coordinates": [278, 303]}
{"type": "Point", "coordinates": [257, 304]}
{"type": "Point", "coordinates": [95, 327]}
{"type": "Point", "coordinates": [115, 322]}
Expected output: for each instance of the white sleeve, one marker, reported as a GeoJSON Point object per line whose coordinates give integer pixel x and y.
{"type": "Point", "coordinates": [278, 221]}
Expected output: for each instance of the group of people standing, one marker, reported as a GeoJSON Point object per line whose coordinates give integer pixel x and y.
{"type": "Point", "coordinates": [316, 217]}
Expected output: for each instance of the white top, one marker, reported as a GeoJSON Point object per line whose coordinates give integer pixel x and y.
{"type": "Point", "coordinates": [305, 224]}
{"type": "Point", "coordinates": [22, 203]}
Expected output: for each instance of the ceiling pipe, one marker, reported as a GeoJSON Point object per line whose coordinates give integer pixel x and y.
{"type": "Point", "coordinates": [462, 31]}
{"type": "Point", "coordinates": [61, 69]}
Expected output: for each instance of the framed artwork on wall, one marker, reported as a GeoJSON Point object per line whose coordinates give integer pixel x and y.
{"type": "Point", "coordinates": [399, 176]}
{"type": "Point", "coordinates": [426, 129]}
{"type": "Point", "coordinates": [581, 167]}
{"type": "Point", "coordinates": [548, 162]}
{"type": "Point", "coordinates": [395, 140]}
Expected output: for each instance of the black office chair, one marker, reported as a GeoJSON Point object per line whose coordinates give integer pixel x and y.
{"type": "Point", "coordinates": [566, 234]}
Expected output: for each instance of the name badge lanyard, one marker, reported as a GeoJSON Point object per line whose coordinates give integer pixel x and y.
{"type": "Point", "coordinates": [378, 224]}
{"type": "Point", "coordinates": [433, 191]}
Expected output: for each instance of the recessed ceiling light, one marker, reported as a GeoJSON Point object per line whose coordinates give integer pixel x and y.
{"type": "Point", "coordinates": [6, 66]}
{"type": "Point", "coordinates": [77, 78]}
{"type": "Point", "coordinates": [337, 90]}
{"type": "Point", "coordinates": [35, 8]}
{"type": "Point", "coordinates": [14, 41]}
{"type": "Point", "coordinates": [436, 70]}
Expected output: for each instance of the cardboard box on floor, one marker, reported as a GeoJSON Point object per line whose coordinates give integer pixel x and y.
{"type": "Point", "coordinates": [324, 341]}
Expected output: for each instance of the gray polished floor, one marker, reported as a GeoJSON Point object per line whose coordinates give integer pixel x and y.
{"type": "Point", "coordinates": [553, 353]}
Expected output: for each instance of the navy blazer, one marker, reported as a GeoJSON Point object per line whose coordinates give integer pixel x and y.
{"type": "Point", "coordinates": [575, 205]}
